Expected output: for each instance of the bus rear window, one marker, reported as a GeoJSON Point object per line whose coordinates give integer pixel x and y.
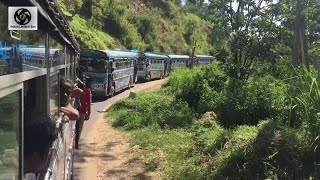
{"type": "Point", "coordinates": [98, 66]}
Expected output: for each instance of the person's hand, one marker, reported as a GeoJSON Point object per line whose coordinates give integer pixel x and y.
{"type": "Point", "coordinates": [66, 118]}
{"type": "Point", "coordinates": [77, 92]}
{"type": "Point", "coordinates": [87, 117]}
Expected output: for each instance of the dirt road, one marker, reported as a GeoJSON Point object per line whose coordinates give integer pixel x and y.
{"type": "Point", "coordinates": [104, 152]}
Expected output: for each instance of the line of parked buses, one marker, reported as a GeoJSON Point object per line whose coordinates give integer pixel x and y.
{"type": "Point", "coordinates": [32, 63]}
{"type": "Point", "coordinates": [112, 71]}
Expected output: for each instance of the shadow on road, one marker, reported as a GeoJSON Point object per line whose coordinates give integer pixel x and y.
{"type": "Point", "coordinates": [132, 168]}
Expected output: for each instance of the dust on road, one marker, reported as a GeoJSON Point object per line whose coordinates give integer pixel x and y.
{"type": "Point", "coordinates": [104, 151]}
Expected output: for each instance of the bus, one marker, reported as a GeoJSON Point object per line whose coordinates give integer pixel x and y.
{"type": "Point", "coordinates": [178, 61]}
{"type": "Point", "coordinates": [109, 71]}
{"type": "Point", "coordinates": [32, 64]}
{"type": "Point", "coordinates": [201, 60]}
{"type": "Point", "coordinates": [152, 65]}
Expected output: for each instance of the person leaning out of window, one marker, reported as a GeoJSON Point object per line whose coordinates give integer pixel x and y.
{"type": "Point", "coordinates": [67, 92]}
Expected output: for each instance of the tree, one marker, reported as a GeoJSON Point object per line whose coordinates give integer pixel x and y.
{"type": "Point", "coordinates": [300, 52]}
{"type": "Point", "coordinates": [248, 28]}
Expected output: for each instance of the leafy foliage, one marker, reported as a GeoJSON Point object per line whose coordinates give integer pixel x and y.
{"type": "Point", "coordinates": [151, 109]}
{"type": "Point", "coordinates": [159, 26]}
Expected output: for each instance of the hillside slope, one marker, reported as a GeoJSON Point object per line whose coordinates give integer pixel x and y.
{"type": "Point", "coordinates": [147, 25]}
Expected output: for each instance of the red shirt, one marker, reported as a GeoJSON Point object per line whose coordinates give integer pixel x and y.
{"type": "Point", "coordinates": [85, 101]}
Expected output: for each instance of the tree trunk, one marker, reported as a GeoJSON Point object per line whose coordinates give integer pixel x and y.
{"type": "Point", "coordinates": [299, 51]}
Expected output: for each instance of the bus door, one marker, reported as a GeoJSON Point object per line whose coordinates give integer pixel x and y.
{"type": "Point", "coordinates": [110, 76]}
{"type": "Point", "coordinates": [165, 67]}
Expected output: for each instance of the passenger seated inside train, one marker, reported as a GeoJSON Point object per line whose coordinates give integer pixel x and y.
{"type": "Point", "coordinates": [67, 92]}
{"type": "Point", "coordinates": [39, 135]}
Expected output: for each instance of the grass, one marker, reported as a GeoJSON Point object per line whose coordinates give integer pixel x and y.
{"type": "Point", "coordinates": [90, 37]}
{"type": "Point", "coordinates": [163, 149]}
{"type": "Point", "coordinates": [203, 149]}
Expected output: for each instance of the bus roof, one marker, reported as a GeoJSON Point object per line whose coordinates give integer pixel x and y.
{"type": "Point", "coordinates": [121, 54]}
{"type": "Point", "coordinates": [93, 53]}
{"type": "Point", "coordinates": [203, 56]}
{"type": "Point", "coordinates": [154, 55]}
{"type": "Point", "coordinates": [178, 56]}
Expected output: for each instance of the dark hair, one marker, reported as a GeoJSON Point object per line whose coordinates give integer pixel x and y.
{"type": "Point", "coordinates": [88, 82]}
{"type": "Point", "coordinates": [80, 84]}
{"type": "Point", "coordinates": [66, 86]}
{"type": "Point", "coordinates": [39, 134]}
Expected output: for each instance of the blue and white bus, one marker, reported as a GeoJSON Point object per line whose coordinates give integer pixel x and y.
{"type": "Point", "coordinates": [109, 71]}
{"type": "Point", "coordinates": [178, 61]}
{"type": "Point", "coordinates": [152, 65]}
{"type": "Point", "coordinates": [201, 60]}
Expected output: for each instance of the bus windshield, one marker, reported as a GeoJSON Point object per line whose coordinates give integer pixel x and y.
{"type": "Point", "coordinates": [94, 65]}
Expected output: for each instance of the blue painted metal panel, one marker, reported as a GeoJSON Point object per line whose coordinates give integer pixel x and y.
{"type": "Point", "coordinates": [120, 54]}
{"type": "Point", "coordinates": [98, 83]}
{"type": "Point", "coordinates": [155, 56]}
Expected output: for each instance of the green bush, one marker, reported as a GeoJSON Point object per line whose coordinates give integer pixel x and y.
{"type": "Point", "coordinates": [305, 93]}
{"type": "Point", "coordinates": [254, 100]}
{"type": "Point", "coordinates": [151, 109]}
{"type": "Point", "coordinates": [202, 88]}
{"type": "Point", "coordinates": [268, 150]}
{"type": "Point", "coordinates": [187, 85]}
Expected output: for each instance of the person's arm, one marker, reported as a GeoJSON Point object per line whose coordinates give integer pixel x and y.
{"type": "Point", "coordinates": [76, 93]}
{"type": "Point", "coordinates": [88, 97]}
{"type": "Point", "coordinates": [71, 112]}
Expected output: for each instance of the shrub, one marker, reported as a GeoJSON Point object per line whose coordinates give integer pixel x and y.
{"type": "Point", "coordinates": [187, 85]}
{"type": "Point", "coordinates": [305, 93]}
{"type": "Point", "coordinates": [202, 88]}
{"type": "Point", "coordinates": [269, 150]}
{"type": "Point", "coordinates": [151, 109]}
{"type": "Point", "coordinates": [254, 100]}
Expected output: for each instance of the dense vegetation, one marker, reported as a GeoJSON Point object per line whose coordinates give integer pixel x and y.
{"type": "Point", "coordinates": [156, 26]}
{"type": "Point", "coordinates": [264, 88]}
{"type": "Point", "coordinates": [266, 128]}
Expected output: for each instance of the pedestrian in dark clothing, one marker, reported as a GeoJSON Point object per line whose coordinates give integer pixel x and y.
{"type": "Point", "coordinates": [84, 110]}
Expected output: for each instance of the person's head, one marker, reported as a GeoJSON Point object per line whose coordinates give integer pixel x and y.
{"type": "Point", "coordinates": [66, 87]}
{"type": "Point", "coordinates": [39, 135]}
{"type": "Point", "coordinates": [88, 82]}
{"type": "Point", "coordinates": [81, 84]}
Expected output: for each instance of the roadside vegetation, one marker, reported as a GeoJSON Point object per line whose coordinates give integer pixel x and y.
{"type": "Point", "coordinates": [153, 26]}
{"type": "Point", "coordinates": [262, 92]}
{"type": "Point", "coordinates": [263, 127]}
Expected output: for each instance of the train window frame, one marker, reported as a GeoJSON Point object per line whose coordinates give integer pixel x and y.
{"type": "Point", "coordinates": [5, 92]}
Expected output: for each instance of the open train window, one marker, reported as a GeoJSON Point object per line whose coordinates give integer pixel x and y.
{"type": "Point", "coordinates": [57, 53]}
{"type": "Point", "coordinates": [54, 96]}
{"type": "Point", "coordinates": [10, 136]}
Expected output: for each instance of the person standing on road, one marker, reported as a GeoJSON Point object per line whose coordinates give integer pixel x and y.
{"type": "Point", "coordinates": [135, 71]}
{"type": "Point", "coordinates": [84, 110]}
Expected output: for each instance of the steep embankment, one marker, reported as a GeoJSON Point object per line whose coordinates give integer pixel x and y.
{"type": "Point", "coordinates": [148, 25]}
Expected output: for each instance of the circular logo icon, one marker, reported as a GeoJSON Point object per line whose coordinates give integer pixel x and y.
{"type": "Point", "coordinates": [22, 16]}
